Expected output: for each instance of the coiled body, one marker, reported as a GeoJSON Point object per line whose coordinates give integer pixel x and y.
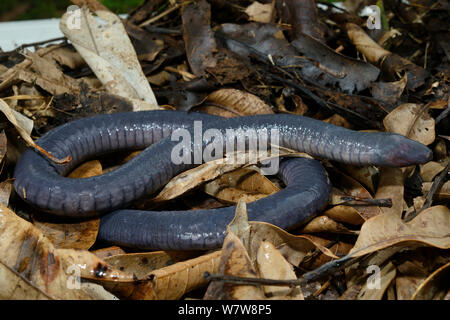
{"type": "Point", "coordinates": [42, 183]}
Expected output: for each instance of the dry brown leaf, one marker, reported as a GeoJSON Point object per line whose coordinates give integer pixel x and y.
{"type": "Point", "coordinates": [391, 186]}
{"type": "Point", "coordinates": [141, 264]}
{"type": "Point", "coordinates": [431, 227]}
{"type": "Point", "coordinates": [351, 187]}
{"type": "Point", "coordinates": [343, 213]}
{"type": "Point", "coordinates": [48, 76]}
{"type": "Point", "coordinates": [168, 283]}
{"type": "Point", "coordinates": [242, 184]}
{"type": "Point", "coordinates": [272, 265]}
{"type": "Point", "coordinates": [234, 261]}
{"type": "Point", "coordinates": [27, 251]}
{"type": "Point", "coordinates": [435, 286]}
{"type": "Point", "coordinates": [260, 12]}
{"type": "Point", "coordinates": [413, 121]}
{"type": "Point", "coordinates": [233, 102]}
{"type": "Point", "coordinates": [325, 224]}
{"type": "Point", "coordinates": [13, 286]}
{"type": "Point", "coordinates": [412, 274]}
{"type": "Point", "coordinates": [430, 170]}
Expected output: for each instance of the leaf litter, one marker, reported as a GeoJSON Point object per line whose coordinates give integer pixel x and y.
{"type": "Point", "coordinates": [263, 58]}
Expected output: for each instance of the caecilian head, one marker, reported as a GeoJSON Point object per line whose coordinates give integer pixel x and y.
{"type": "Point", "coordinates": [401, 152]}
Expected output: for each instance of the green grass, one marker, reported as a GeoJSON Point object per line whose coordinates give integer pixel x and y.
{"type": "Point", "coordinates": [39, 9]}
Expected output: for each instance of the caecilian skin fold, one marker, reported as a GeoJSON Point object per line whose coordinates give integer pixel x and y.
{"type": "Point", "coordinates": [42, 183]}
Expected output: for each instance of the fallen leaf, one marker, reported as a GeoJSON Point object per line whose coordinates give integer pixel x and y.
{"type": "Point", "coordinates": [13, 286]}
{"type": "Point", "coordinates": [325, 224]}
{"type": "Point", "coordinates": [430, 227]}
{"type": "Point", "coordinates": [106, 48]}
{"type": "Point", "coordinates": [259, 12]}
{"type": "Point", "coordinates": [25, 250]}
{"type": "Point", "coordinates": [233, 102]}
{"type": "Point", "coordinates": [272, 265]}
{"type": "Point", "coordinates": [435, 286]}
{"type": "Point", "coordinates": [168, 283]}
{"type": "Point", "coordinates": [413, 121]}
{"type": "Point", "coordinates": [242, 184]}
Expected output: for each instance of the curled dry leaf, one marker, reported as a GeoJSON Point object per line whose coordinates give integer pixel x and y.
{"type": "Point", "coordinates": [430, 227]}
{"type": "Point", "coordinates": [242, 184]}
{"type": "Point", "coordinates": [75, 235]}
{"type": "Point", "coordinates": [232, 102]}
{"type": "Point", "coordinates": [390, 63]}
{"type": "Point", "coordinates": [192, 178]}
{"type": "Point", "coordinates": [106, 48]}
{"type": "Point", "coordinates": [234, 261]}
{"type": "Point", "coordinates": [272, 265]}
{"type": "Point", "coordinates": [413, 121]}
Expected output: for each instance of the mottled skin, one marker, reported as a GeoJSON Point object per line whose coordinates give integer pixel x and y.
{"type": "Point", "coordinates": [42, 183]}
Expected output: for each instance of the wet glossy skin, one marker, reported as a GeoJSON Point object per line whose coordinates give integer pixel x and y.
{"type": "Point", "coordinates": [42, 183]}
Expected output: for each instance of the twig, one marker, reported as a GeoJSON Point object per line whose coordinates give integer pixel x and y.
{"type": "Point", "coordinates": [253, 281]}
{"type": "Point", "coordinates": [159, 16]}
{"type": "Point", "coordinates": [365, 202]}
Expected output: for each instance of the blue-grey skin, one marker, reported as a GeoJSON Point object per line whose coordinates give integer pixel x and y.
{"type": "Point", "coordinates": [42, 183]}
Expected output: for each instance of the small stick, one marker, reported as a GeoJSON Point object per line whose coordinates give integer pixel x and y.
{"type": "Point", "coordinates": [253, 281]}
{"type": "Point", "coordinates": [365, 202]}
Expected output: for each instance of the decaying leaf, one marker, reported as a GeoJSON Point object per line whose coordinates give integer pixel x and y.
{"type": "Point", "coordinates": [232, 102]}
{"type": "Point", "coordinates": [25, 250]}
{"type": "Point", "coordinates": [430, 227]}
